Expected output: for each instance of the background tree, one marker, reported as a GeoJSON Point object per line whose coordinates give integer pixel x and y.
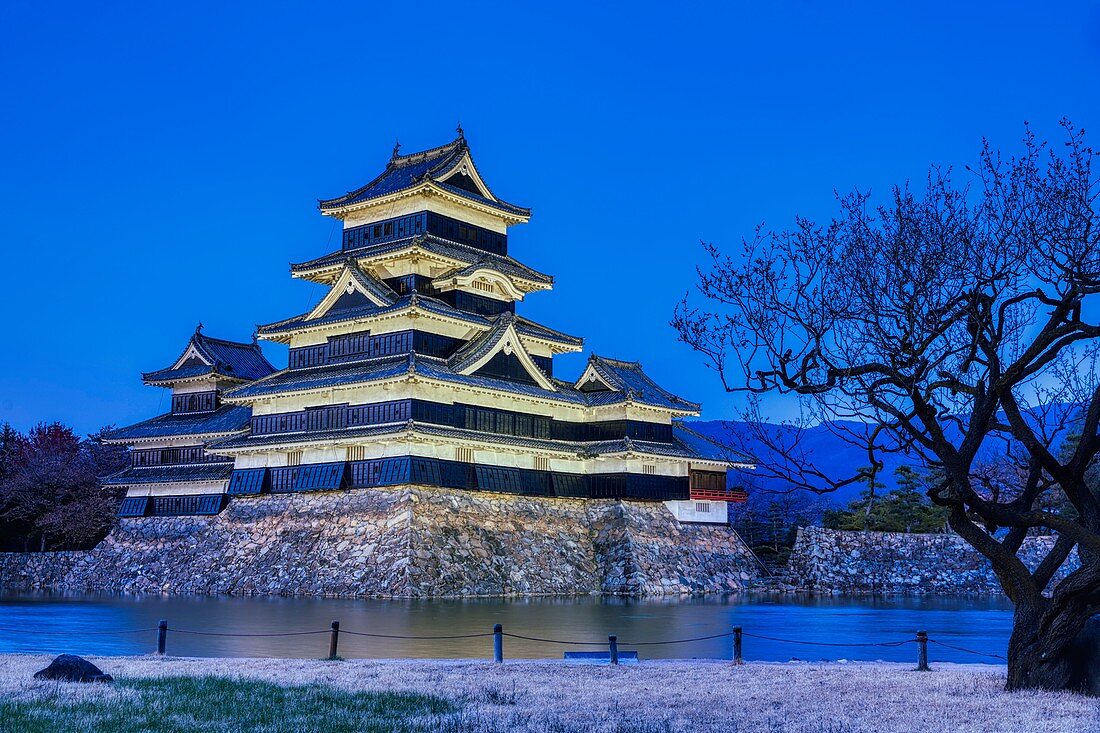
{"type": "Point", "coordinates": [940, 322]}
{"type": "Point", "coordinates": [769, 521]}
{"type": "Point", "coordinates": [13, 528]}
{"type": "Point", "coordinates": [50, 493]}
{"type": "Point", "coordinates": [903, 509]}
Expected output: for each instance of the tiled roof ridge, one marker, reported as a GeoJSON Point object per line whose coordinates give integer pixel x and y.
{"type": "Point", "coordinates": [623, 363]}
{"type": "Point", "coordinates": [227, 342]}
{"type": "Point", "coordinates": [439, 151]}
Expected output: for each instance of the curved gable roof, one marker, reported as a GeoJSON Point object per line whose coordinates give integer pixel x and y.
{"type": "Point", "coordinates": [205, 355]}
{"type": "Point", "coordinates": [501, 337]}
{"type": "Point", "coordinates": [627, 378]}
{"type": "Point", "coordinates": [435, 166]}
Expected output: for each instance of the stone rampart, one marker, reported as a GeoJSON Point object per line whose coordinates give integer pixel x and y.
{"type": "Point", "coordinates": [401, 542]}
{"type": "Point", "coordinates": [861, 563]}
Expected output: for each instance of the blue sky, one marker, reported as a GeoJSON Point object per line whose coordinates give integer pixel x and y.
{"type": "Point", "coordinates": [161, 162]}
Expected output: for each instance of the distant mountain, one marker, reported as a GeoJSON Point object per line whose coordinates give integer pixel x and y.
{"type": "Point", "coordinates": [830, 453]}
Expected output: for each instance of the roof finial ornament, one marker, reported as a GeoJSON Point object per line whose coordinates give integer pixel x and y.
{"type": "Point", "coordinates": [458, 129]}
{"type": "Point", "coordinates": [198, 328]}
{"type": "Point", "coordinates": [396, 149]}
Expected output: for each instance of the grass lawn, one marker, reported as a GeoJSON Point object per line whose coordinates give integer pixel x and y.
{"type": "Point", "coordinates": [273, 695]}
{"type": "Point", "coordinates": [173, 704]}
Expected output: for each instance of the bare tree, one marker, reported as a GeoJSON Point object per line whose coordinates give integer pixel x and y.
{"type": "Point", "coordinates": [946, 323]}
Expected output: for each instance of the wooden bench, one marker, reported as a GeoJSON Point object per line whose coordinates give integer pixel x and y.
{"type": "Point", "coordinates": [605, 657]}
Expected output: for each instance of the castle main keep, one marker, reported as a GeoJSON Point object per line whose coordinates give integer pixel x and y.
{"type": "Point", "coordinates": [415, 376]}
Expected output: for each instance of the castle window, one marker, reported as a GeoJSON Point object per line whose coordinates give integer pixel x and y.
{"type": "Point", "coordinates": [357, 452]}
{"type": "Point", "coordinates": [282, 479]}
{"type": "Point", "coordinates": [542, 463]}
{"type": "Point", "coordinates": [708, 480]}
{"type": "Point", "coordinates": [195, 402]}
{"type": "Point", "coordinates": [134, 506]}
{"type": "Point", "coordinates": [320, 477]}
{"type": "Point", "coordinates": [702, 507]}
{"type": "Point", "coordinates": [385, 472]}
{"type": "Point", "coordinates": [294, 458]}
{"type": "Point", "coordinates": [464, 455]}
{"type": "Point", "coordinates": [649, 469]}
{"type": "Point", "coordinates": [247, 481]}
{"type": "Point", "coordinates": [494, 478]}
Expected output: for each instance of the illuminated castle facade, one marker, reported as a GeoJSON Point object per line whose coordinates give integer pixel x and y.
{"type": "Point", "coordinates": [415, 368]}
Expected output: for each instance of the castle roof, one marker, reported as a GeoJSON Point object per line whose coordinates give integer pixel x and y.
{"type": "Point", "coordinates": [620, 446]}
{"type": "Point", "coordinates": [204, 356]}
{"type": "Point", "coordinates": [605, 376]}
{"type": "Point", "coordinates": [220, 471]}
{"type": "Point", "coordinates": [415, 300]}
{"type": "Point", "coordinates": [225, 420]}
{"type": "Point", "coordinates": [431, 244]}
{"type": "Point", "coordinates": [447, 167]}
{"type": "Point", "coordinates": [429, 367]}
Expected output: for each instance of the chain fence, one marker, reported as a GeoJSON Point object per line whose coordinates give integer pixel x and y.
{"type": "Point", "coordinates": [612, 643]}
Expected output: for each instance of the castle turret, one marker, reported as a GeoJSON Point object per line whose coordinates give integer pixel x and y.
{"type": "Point", "coordinates": [171, 473]}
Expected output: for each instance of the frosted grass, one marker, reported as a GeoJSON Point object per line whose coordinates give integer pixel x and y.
{"type": "Point", "coordinates": [649, 697]}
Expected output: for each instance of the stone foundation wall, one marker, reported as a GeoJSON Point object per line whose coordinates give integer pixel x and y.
{"type": "Point", "coordinates": [860, 563]}
{"type": "Point", "coordinates": [401, 542]}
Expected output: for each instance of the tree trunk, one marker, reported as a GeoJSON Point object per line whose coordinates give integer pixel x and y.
{"type": "Point", "coordinates": [1054, 651]}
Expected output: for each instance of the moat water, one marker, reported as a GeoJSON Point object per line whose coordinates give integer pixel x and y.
{"type": "Point", "coordinates": [114, 625]}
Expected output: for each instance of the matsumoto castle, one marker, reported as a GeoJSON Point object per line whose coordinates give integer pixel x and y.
{"type": "Point", "coordinates": [416, 369]}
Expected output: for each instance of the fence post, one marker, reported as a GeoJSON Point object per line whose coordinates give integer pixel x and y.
{"type": "Point", "coordinates": [162, 636]}
{"type": "Point", "coordinates": [333, 638]}
{"type": "Point", "coordinates": [922, 652]}
{"type": "Point", "coordinates": [498, 644]}
{"type": "Point", "coordinates": [737, 646]}
{"type": "Point", "coordinates": [613, 644]}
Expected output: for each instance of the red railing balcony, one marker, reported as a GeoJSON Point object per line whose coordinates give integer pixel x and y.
{"type": "Point", "coordinates": [735, 495]}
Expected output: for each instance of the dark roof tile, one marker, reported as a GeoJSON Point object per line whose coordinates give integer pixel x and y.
{"type": "Point", "coordinates": [226, 419]}
{"type": "Point", "coordinates": [428, 243]}
{"type": "Point", "coordinates": [232, 359]}
{"type": "Point", "coordinates": [171, 474]}
{"type": "Point", "coordinates": [407, 171]}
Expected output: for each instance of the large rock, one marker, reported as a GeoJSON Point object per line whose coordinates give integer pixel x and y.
{"type": "Point", "coordinates": [71, 668]}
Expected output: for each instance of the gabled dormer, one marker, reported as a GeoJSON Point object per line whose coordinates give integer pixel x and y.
{"type": "Point", "coordinates": [499, 353]}
{"type": "Point", "coordinates": [626, 378]}
{"type": "Point", "coordinates": [354, 288]}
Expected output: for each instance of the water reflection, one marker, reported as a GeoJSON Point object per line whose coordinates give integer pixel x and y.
{"type": "Point", "coordinates": [981, 624]}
